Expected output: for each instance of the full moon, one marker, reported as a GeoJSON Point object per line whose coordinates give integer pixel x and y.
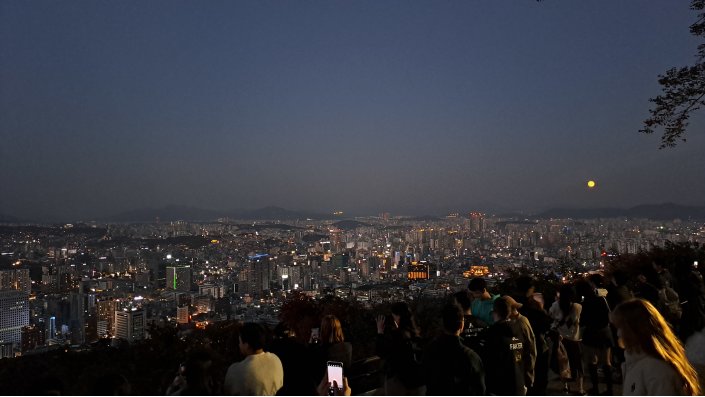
{"type": "Point", "coordinates": [591, 184]}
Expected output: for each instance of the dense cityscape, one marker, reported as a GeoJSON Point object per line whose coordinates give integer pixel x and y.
{"type": "Point", "coordinates": [73, 284]}
{"type": "Point", "coordinates": [352, 198]}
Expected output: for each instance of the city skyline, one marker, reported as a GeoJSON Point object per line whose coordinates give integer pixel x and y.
{"type": "Point", "coordinates": [367, 107]}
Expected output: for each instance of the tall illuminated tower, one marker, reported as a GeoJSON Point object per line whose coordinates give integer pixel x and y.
{"type": "Point", "coordinates": [106, 317]}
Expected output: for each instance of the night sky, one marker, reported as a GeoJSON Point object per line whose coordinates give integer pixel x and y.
{"type": "Point", "coordinates": [410, 107]}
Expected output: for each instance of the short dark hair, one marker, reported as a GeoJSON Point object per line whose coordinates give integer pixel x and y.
{"type": "Point", "coordinates": [452, 317]}
{"type": "Point", "coordinates": [620, 277]}
{"type": "Point", "coordinates": [253, 334]}
{"type": "Point", "coordinates": [463, 299]}
{"type": "Point", "coordinates": [584, 288]}
{"type": "Point", "coordinates": [407, 324]}
{"type": "Point", "coordinates": [401, 309]}
{"type": "Point", "coordinates": [477, 284]}
{"type": "Point", "coordinates": [597, 279]}
{"type": "Point", "coordinates": [502, 307]}
{"type": "Point", "coordinates": [524, 283]}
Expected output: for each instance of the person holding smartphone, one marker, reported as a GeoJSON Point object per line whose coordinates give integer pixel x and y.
{"type": "Point", "coordinates": [332, 388]}
{"type": "Point", "coordinates": [399, 348]}
{"type": "Point", "coordinates": [334, 370]}
{"type": "Point", "coordinates": [332, 345]}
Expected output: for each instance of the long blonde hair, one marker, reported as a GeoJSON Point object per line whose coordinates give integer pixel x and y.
{"type": "Point", "coordinates": [331, 330]}
{"type": "Point", "coordinates": [644, 330]}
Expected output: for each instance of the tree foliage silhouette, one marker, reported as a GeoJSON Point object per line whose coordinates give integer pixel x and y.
{"type": "Point", "coordinates": [683, 91]}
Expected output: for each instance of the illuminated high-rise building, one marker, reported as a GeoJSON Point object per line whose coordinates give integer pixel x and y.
{"type": "Point", "coordinates": [7, 350]}
{"type": "Point", "coordinates": [32, 337]}
{"type": "Point", "coordinates": [52, 328]}
{"type": "Point", "coordinates": [477, 222]}
{"type": "Point", "coordinates": [336, 239]}
{"type": "Point", "coordinates": [182, 314]}
{"type": "Point", "coordinates": [178, 278]}
{"type": "Point", "coordinates": [15, 279]}
{"type": "Point", "coordinates": [214, 290]}
{"type": "Point", "coordinates": [418, 271]}
{"type": "Point", "coordinates": [14, 314]}
{"type": "Point", "coordinates": [77, 320]}
{"type": "Point", "coordinates": [130, 324]}
{"type": "Point", "coordinates": [257, 275]}
{"type": "Point", "coordinates": [106, 317]}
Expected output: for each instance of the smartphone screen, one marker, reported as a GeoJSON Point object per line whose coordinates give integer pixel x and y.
{"type": "Point", "coordinates": [335, 373]}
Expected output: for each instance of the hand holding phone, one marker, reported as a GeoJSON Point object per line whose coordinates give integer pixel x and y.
{"type": "Point", "coordinates": [314, 335]}
{"type": "Point", "coordinates": [335, 376]}
{"type": "Point", "coordinates": [324, 388]}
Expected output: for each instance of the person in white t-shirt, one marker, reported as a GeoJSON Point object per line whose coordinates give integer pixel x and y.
{"type": "Point", "coordinates": [565, 313]}
{"type": "Point", "coordinates": [260, 373]}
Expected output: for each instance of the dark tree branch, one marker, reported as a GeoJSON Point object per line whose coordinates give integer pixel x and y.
{"type": "Point", "coordinates": [682, 94]}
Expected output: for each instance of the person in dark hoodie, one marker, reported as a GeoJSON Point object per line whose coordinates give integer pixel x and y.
{"type": "Point", "coordinates": [596, 335]}
{"type": "Point", "coordinates": [502, 354]}
{"type": "Point", "coordinates": [451, 368]}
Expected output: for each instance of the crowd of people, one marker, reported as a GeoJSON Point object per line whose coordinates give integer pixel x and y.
{"type": "Point", "coordinates": [648, 334]}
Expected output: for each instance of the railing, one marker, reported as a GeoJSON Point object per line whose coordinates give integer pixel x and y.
{"type": "Point", "coordinates": [365, 376]}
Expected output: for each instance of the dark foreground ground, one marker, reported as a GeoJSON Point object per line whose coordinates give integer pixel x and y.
{"type": "Point", "coordinates": [555, 387]}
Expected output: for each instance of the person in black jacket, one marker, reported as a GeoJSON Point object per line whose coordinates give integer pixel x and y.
{"type": "Point", "coordinates": [297, 362]}
{"type": "Point", "coordinates": [691, 290]}
{"type": "Point", "coordinates": [502, 354]}
{"type": "Point", "coordinates": [399, 348]}
{"type": "Point", "coordinates": [451, 368]}
{"type": "Point", "coordinates": [332, 346]}
{"type": "Point", "coordinates": [597, 335]}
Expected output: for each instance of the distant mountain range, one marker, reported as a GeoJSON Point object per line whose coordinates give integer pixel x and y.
{"type": "Point", "coordinates": [171, 213]}
{"type": "Point", "coordinates": [664, 211]}
{"type": "Point", "coordinates": [349, 225]}
{"type": "Point", "coordinates": [10, 219]}
{"type": "Point", "coordinates": [185, 213]}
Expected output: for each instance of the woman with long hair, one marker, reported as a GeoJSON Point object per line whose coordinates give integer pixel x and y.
{"type": "Point", "coordinates": [655, 360]}
{"type": "Point", "coordinates": [398, 347]}
{"type": "Point", "coordinates": [333, 342]}
{"type": "Point", "coordinates": [331, 347]}
{"type": "Point", "coordinates": [565, 313]}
